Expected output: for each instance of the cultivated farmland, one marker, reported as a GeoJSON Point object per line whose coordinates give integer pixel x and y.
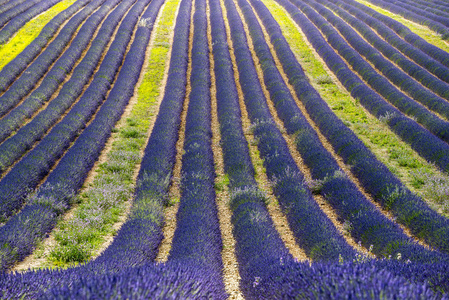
{"type": "Point", "coordinates": [242, 149]}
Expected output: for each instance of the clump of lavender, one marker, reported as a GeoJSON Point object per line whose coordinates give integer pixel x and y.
{"type": "Point", "coordinates": [435, 189]}
{"type": "Point", "coordinates": [438, 188]}
{"type": "Point", "coordinates": [251, 190]}
{"type": "Point", "coordinates": [387, 117]}
{"type": "Point", "coordinates": [323, 79]}
{"type": "Point", "coordinates": [58, 197]}
{"type": "Point", "coordinates": [347, 227]}
{"type": "Point", "coordinates": [256, 281]}
{"type": "Point", "coordinates": [363, 257]}
{"type": "Point", "coordinates": [315, 186]}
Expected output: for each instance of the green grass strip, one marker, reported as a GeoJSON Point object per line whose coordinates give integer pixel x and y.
{"type": "Point", "coordinates": [103, 202]}
{"type": "Point", "coordinates": [29, 32]}
{"type": "Point", "coordinates": [416, 173]}
{"type": "Point", "coordinates": [421, 30]}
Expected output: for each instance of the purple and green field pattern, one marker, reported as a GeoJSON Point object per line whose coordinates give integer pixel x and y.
{"type": "Point", "coordinates": [241, 149]}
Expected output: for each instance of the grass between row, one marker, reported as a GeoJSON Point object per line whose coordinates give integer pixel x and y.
{"type": "Point", "coordinates": [104, 201]}
{"type": "Point", "coordinates": [417, 174]}
{"type": "Point", "coordinates": [424, 32]}
{"type": "Point", "coordinates": [29, 32]}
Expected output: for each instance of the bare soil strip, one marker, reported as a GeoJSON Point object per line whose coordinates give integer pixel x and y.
{"type": "Point", "coordinates": [174, 190]}
{"type": "Point", "coordinates": [231, 276]}
{"type": "Point", "coordinates": [328, 146]}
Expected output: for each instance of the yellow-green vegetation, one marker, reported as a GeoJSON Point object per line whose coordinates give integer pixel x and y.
{"type": "Point", "coordinates": [221, 182]}
{"type": "Point", "coordinates": [394, 153]}
{"type": "Point", "coordinates": [29, 32]}
{"type": "Point", "coordinates": [104, 200]}
{"type": "Point", "coordinates": [421, 30]}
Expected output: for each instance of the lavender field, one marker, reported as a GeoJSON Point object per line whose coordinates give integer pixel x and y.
{"type": "Point", "coordinates": [241, 149]}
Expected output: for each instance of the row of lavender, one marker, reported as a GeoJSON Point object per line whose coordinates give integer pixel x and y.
{"type": "Point", "coordinates": [437, 126]}
{"type": "Point", "coordinates": [323, 242]}
{"type": "Point", "coordinates": [388, 28]}
{"type": "Point", "coordinates": [438, 9]}
{"type": "Point", "coordinates": [9, 5]}
{"type": "Point", "coordinates": [266, 267]}
{"type": "Point", "coordinates": [393, 73]}
{"type": "Point", "coordinates": [252, 225]}
{"type": "Point", "coordinates": [191, 123]}
{"type": "Point", "coordinates": [368, 225]}
{"type": "Point", "coordinates": [81, 10]}
{"type": "Point", "coordinates": [13, 9]}
{"type": "Point", "coordinates": [372, 227]}
{"type": "Point", "coordinates": [419, 138]}
{"type": "Point", "coordinates": [197, 239]}
{"type": "Point", "coordinates": [267, 270]}
{"type": "Point", "coordinates": [387, 48]}
{"type": "Point", "coordinates": [436, 64]}
{"type": "Point", "coordinates": [41, 64]}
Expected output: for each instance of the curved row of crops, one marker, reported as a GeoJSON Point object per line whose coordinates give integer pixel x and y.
{"type": "Point", "coordinates": [63, 106]}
